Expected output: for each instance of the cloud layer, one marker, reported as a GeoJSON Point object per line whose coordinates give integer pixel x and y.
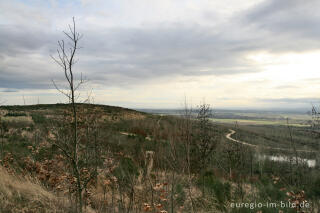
{"type": "Point", "coordinates": [125, 45]}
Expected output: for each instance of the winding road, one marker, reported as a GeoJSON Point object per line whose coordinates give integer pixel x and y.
{"type": "Point", "coordinates": [228, 136]}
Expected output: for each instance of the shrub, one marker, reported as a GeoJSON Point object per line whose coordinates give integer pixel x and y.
{"type": "Point", "coordinates": [221, 191]}
{"type": "Point", "coordinates": [15, 114]}
{"type": "Point", "coordinates": [180, 195]}
{"type": "Point", "coordinates": [38, 118]}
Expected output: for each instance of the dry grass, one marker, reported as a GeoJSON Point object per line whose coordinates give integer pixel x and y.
{"type": "Point", "coordinates": [19, 194]}
{"type": "Point", "coordinates": [115, 117]}
{"type": "Point", "coordinates": [18, 119]}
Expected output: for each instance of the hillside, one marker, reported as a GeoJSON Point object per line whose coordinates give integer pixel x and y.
{"type": "Point", "coordinates": [130, 161]}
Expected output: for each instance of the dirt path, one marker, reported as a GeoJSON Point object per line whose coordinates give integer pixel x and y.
{"type": "Point", "coordinates": [228, 136]}
{"type": "Point", "coordinates": [127, 133]}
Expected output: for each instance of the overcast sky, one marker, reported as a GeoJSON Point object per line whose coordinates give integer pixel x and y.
{"type": "Point", "coordinates": [153, 54]}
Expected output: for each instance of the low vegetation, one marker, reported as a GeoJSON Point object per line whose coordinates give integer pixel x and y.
{"type": "Point", "coordinates": [139, 162]}
{"type": "Point", "coordinates": [26, 194]}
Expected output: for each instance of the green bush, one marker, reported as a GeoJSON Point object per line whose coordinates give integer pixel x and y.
{"type": "Point", "coordinates": [38, 118]}
{"type": "Point", "coordinates": [15, 114]}
{"type": "Point", "coordinates": [125, 171]}
{"type": "Point", "coordinates": [269, 190]}
{"type": "Point", "coordinates": [180, 194]}
{"type": "Point", "coordinates": [316, 188]}
{"type": "Point", "coordinates": [214, 187]}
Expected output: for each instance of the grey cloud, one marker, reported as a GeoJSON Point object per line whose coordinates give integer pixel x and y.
{"type": "Point", "coordinates": [162, 52]}
{"type": "Point", "coordinates": [17, 39]}
{"type": "Point", "coordinates": [9, 90]}
{"type": "Point", "coordinates": [128, 56]}
{"type": "Point", "coordinates": [291, 100]}
{"type": "Point", "coordinates": [290, 25]}
{"type": "Point", "coordinates": [287, 87]}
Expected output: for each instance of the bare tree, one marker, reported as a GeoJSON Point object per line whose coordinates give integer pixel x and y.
{"type": "Point", "coordinates": [206, 140]}
{"type": "Point", "coordinates": [186, 131]}
{"type": "Point", "coordinates": [315, 128]}
{"type": "Point", "coordinates": [3, 129]}
{"type": "Point", "coordinates": [24, 100]}
{"type": "Point", "coordinates": [70, 146]}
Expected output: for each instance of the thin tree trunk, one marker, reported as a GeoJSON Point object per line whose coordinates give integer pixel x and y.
{"type": "Point", "coordinates": [172, 192]}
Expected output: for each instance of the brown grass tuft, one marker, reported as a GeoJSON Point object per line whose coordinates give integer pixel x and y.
{"type": "Point", "coordinates": [19, 194]}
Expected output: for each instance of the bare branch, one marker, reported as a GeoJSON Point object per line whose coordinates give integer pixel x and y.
{"type": "Point", "coordinates": [67, 34]}
{"type": "Point", "coordinates": [58, 62]}
{"type": "Point", "coordinates": [60, 90]}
